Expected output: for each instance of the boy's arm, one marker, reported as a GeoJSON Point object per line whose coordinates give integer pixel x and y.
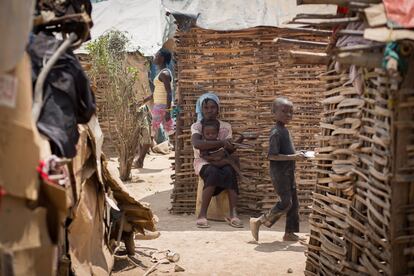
{"type": "Point", "coordinates": [286, 157]}
{"type": "Point", "coordinates": [274, 150]}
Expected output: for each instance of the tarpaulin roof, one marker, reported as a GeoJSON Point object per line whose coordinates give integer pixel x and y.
{"type": "Point", "coordinates": [235, 14]}
{"type": "Point", "coordinates": [149, 27]}
{"type": "Point", "coordinates": [145, 22]}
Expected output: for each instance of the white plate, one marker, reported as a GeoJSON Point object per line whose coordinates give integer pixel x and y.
{"type": "Point", "coordinates": [309, 154]}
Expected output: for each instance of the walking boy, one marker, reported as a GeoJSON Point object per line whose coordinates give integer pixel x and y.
{"type": "Point", "coordinates": [282, 158]}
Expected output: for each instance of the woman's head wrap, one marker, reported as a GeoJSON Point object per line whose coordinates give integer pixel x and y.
{"type": "Point", "coordinates": [201, 99]}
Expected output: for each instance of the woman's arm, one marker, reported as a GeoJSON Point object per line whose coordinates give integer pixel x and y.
{"type": "Point", "coordinates": [166, 79]}
{"type": "Point", "coordinates": [213, 155]}
{"type": "Point", "coordinates": [147, 99]}
{"type": "Point", "coordinates": [230, 148]}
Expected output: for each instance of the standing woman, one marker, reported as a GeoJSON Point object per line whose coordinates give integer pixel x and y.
{"type": "Point", "coordinates": [215, 179]}
{"type": "Point", "coordinates": [162, 94]}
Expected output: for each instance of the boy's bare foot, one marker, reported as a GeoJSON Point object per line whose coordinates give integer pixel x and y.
{"type": "Point", "coordinates": [254, 227]}
{"type": "Point", "coordinates": [291, 237]}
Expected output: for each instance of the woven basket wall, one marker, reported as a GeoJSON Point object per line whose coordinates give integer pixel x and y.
{"type": "Point", "coordinates": [361, 221]}
{"type": "Point", "coordinates": [104, 112]}
{"type": "Point", "coordinates": [247, 70]}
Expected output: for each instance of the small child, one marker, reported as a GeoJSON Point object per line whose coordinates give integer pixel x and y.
{"type": "Point", "coordinates": [282, 156]}
{"type": "Point", "coordinates": [217, 157]}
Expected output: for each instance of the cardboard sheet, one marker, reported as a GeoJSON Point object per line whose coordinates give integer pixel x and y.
{"type": "Point", "coordinates": [25, 238]}
{"type": "Point", "coordinates": [19, 151]}
{"type": "Point", "coordinates": [96, 135]}
{"type": "Point", "coordinates": [87, 249]}
{"type": "Point", "coordinates": [22, 228]}
{"type": "Point", "coordinates": [15, 25]}
{"type": "Point", "coordinates": [138, 215]}
{"type": "Point", "coordinates": [79, 161]}
{"type": "Point", "coordinates": [39, 261]}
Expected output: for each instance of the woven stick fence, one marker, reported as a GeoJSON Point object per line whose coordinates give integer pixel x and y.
{"type": "Point", "coordinates": [353, 231]}
{"type": "Point", "coordinates": [104, 112]}
{"type": "Point", "coordinates": [247, 70]}
{"type": "Point", "coordinates": [361, 221]}
{"type": "Point", "coordinates": [334, 189]}
{"type": "Point", "coordinates": [297, 80]}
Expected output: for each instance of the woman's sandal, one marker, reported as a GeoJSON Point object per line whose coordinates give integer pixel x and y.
{"type": "Point", "coordinates": [234, 222]}
{"type": "Point", "coordinates": [202, 223]}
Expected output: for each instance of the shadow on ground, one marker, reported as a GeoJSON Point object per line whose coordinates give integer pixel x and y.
{"type": "Point", "coordinates": [160, 204]}
{"type": "Point", "coordinates": [279, 246]}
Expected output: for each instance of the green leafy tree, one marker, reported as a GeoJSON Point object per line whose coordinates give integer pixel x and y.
{"type": "Point", "coordinates": [109, 70]}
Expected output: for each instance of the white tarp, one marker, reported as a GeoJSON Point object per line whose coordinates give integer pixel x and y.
{"type": "Point", "coordinates": [148, 26]}
{"type": "Point", "coordinates": [241, 14]}
{"type": "Point", "coordinates": [144, 20]}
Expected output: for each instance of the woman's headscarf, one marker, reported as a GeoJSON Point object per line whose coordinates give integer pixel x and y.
{"type": "Point", "coordinates": [201, 99]}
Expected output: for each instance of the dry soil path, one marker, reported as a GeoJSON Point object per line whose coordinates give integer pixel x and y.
{"type": "Point", "coordinates": [219, 250]}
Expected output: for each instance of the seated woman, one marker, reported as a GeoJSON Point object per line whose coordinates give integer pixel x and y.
{"type": "Point", "coordinates": [216, 178]}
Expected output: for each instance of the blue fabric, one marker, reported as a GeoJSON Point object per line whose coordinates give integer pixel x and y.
{"type": "Point", "coordinates": [392, 51]}
{"type": "Point", "coordinates": [201, 99]}
{"type": "Point", "coordinates": [162, 136]}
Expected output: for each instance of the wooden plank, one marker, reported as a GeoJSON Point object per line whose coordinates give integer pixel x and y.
{"type": "Point", "coordinates": [368, 60]}
{"type": "Point", "coordinates": [302, 57]}
{"type": "Point", "coordinates": [298, 41]}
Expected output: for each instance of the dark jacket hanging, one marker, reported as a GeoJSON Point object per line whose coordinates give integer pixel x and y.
{"type": "Point", "coordinates": [67, 97]}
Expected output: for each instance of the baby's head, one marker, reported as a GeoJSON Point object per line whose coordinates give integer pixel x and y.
{"type": "Point", "coordinates": [210, 129]}
{"type": "Point", "coordinates": [282, 108]}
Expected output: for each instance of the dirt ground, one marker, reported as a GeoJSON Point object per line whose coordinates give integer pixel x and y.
{"type": "Point", "coordinates": [219, 250]}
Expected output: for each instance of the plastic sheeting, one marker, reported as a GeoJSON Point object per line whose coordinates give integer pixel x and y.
{"type": "Point", "coordinates": [148, 26]}
{"type": "Point", "coordinates": [235, 14]}
{"type": "Point", "coordinates": [145, 22]}
{"type": "Point", "coordinates": [400, 12]}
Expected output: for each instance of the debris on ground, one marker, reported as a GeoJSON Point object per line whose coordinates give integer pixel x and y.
{"type": "Point", "coordinates": [147, 261]}
{"type": "Point", "coordinates": [178, 268]}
